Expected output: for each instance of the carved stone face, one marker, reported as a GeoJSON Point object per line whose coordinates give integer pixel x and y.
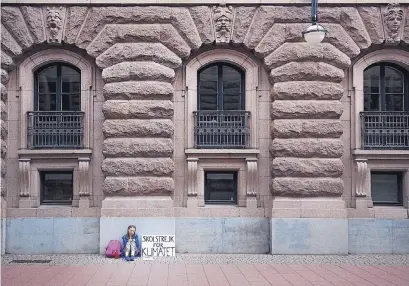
{"type": "Point", "coordinates": [223, 24]}
{"type": "Point", "coordinates": [54, 19]}
{"type": "Point", "coordinates": [393, 17]}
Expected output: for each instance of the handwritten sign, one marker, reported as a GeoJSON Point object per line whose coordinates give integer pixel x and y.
{"type": "Point", "coordinates": [158, 246]}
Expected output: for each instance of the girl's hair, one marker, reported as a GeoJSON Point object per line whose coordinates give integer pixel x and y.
{"type": "Point", "coordinates": [129, 227]}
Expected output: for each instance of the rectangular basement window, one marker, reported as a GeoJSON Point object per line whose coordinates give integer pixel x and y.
{"type": "Point", "coordinates": [220, 187]}
{"type": "Point", "coordinates": [386, 188]}
{"type": "Point", "coordinates": [56, 187]}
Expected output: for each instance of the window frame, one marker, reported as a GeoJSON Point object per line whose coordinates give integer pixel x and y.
{"type": "Point", "coordinates": [235, 188]}
{"type": "Point", "coordinates": [58, 92]}
{"type": "Point", "coordinates": [382, 67]}
{"type": "Point", "coordinates": [42, 182]}
{"type": "Point", "coordinates": [220, 65]}
{"type": "Point", "coordinates": [399, 191]}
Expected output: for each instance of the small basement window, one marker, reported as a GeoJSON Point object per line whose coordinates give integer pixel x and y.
{"type": "Point", "coordinates": [56, 187]}
{"type": "Point", "coordinates": [386, 188]}
{"type": "Point", "coordinates": [220, 187]}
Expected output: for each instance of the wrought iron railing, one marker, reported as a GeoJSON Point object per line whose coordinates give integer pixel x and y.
{"type": "Point", "coordinates": [222, 129]}
{"type": "Point", "coordinates": [55, 129]}
{"type": "Point", "coordinates": [385, 130]}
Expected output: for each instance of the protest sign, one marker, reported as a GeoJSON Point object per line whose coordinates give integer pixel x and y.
{"type": "Point", "coordinates": [158, 246]}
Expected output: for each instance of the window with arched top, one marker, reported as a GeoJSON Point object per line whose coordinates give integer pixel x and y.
{"type": "Point", "coordinates": [385, 88]}
{"type": "Point", "coordinates": [385, 119]}
{"type": "Point", "coordinates": [57, 119]}
{"type": "Point", "coordinates": [221, 120]}
{"type": "Point", "coordinates": [57, 88]}
{"type": "Point", "coordinates": [221, 87]}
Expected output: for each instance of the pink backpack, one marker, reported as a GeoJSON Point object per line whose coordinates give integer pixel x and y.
{"type": "Point", "coordinates": [114, 247]}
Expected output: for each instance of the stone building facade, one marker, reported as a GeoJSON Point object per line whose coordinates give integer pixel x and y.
{"type": "Point", "coordinates": [215, 122]}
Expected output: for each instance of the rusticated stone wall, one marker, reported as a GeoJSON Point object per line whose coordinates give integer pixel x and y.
{"type": "Point", "coordinates": [138, 49]}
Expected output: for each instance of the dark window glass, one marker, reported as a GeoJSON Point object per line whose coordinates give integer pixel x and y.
{"type": "Point", "coordinates": [386, 188]}
{"type": "Point", "coordinates": [221, 87]}
{"type": "Point", "coordinates": [221, 187]}
{"type": "Point", "coordinates": [384, 88]}
{"type": "Point", "coordinates": [58, 88]}
{"type": "Point", "coordinates": [56, 187]}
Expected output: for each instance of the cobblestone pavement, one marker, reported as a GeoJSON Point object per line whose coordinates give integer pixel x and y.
{"type": "Point", "coordinates": [217, 270]}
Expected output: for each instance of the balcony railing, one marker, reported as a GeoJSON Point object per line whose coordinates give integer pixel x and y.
{"type": "Point", "coordinates": [385, 130]}
{"type": "Point", "coordinates": [222, 129]}
{"type": "Point", "coordinates": [55, 129]}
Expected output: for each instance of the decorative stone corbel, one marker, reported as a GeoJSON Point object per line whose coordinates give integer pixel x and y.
{"type": "Point", "coordinates": [393, 22]}
{"type": "Point", "coordinates": [192, 176]}
{"type": "Point", "coordinates": [252, 177]}
{"type": "Point", "coordinates": [362, 175]}
{"type": "Point", "coordinates": [223, 23]}
{"type": "Point", "coordinates": [54, 23]}
{"type": "Point", "coordinates": [24, 170]}
{"type": "Point", "coordinates": [83, 166]}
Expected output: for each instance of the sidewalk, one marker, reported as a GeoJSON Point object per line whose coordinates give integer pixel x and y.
{"type": "Point", "coordinates": [213, 270]}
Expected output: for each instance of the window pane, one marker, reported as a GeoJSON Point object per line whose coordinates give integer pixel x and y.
{"type": "Point", "coordinates": [208, 89]}
{"type": "Point", "coordinates": [70, 102]}
{"type": "Point", "coordinates": [371, 80]}
{"type": "Point", "coordinates": [70, 80]}
{"type": "Point", "coordinates": [57, 187]}
{"type": "Point", "coordinates": [393, 80]}
{"type": "Point", "coordinates": [394, 102]}
{"type": "Point", "coordinates": [371, 102]}
{"type": "Point", "coordinates": [231, 89]}
{"type": "Point", "coordinates": [47, 80]}
{"type": "Point", "coordinates": [47, 102]}
{"type": "Point", "coordinates": [220, 187]}
{"type": "Point", "coordinates": [385, 187]}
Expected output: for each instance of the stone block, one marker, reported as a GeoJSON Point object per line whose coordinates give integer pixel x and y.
{"type": "Point", "coordinates": [313, 128]}
{"type": "Point", "coordinates": [307, 148]}
{"type": "Point", "coordinates": [155, 52]}
{"type": "Point", "coordinates": [309, 236]}
{"type": "Point", "coordinates": [75, 235]}
{"type": "Point", "coordinates": [263, 21]}
{"type": "Point", "coordinates": [13, 21]}
{"type": "Point", "coordinates": [138, 147]}
{"type": "Point", "coordinates": [33, 17]}
{"type": "Point", "coordinates": [352, 22]}
{"type": "Point", "coordinates": [272, 40]}
{"type": "Point", "coordinates": [390, 212]}
{"type": "Point", "coordinates": [137, 71]}
{"type": "Point", "coordinates": [242, 21]}
{"type": "Point", "coordinates": [202, 17]}
{"type": "Point", "coordinates": [138, 109]}
{"type": "Point", "coordinates": [306, 109]}
{"type": "Point", "coordinates": [371, 16]}
{"type": "Point", "coordinates": [338, 37]}
{"type": "Point", "coordinates": [7, 62]}
{"type": "Point", "coordinates": [134, 186]}
{"type": "Point", "coordinates": [75, 18]}
{"type": "Point", "coordinates": [222, 235]}
{"type": "Point", "coordinates": [306, 71]}
{"type": "Point", "coordinates": [304, 52]}
{"type": "Point", "coordinates": [308, 187]}
{"type": "Point", "coordinates": [307, 90]}
{"type": "Point", "coordinates": [38, 231]}
{"type": "Point", "coordinates": [138, 128]}
{"type": "Point", "coordinates": [370, 236]}
{"type": "Point", "coordinates": [138, 90]}
{"type": "Point", "coordinates": [298, 167]}
{"type": "Point", "coordinates": [400, 236]}
{"type": "Point", "coordinates": [9, 44]}
{"type": "Point", "coordinates": [138, 166]}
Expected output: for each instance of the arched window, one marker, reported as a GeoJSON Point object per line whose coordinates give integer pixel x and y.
{"type": "Point", "coordinates": [221, 119]}
{"type": "Point", "coordinates": [385, 120]}
{"type": "Point", "coordinates": [221, 87]}
{"type": "Point", "coordinates": [385, 88]}
{"type": "Point", "coordinates": [57, 88]}
{"type": "Point", "coordinates": [57, 120]}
